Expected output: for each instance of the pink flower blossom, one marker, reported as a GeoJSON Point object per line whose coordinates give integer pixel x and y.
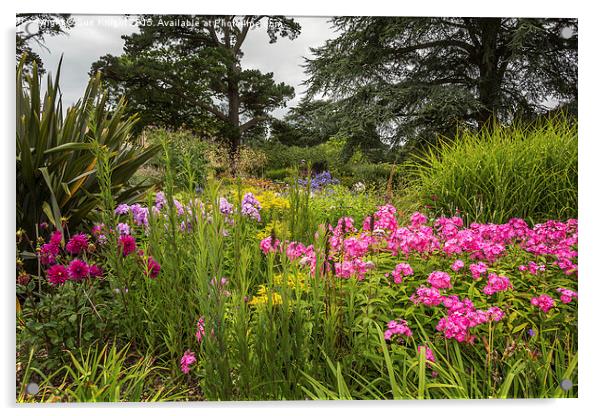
{"type": "Point", "coordinates": [495, 313]}
{"type": "Point", "coordinates": [186, 361]}
{"type": "Point", "coordinates": [95, 270]}
{"type": "Point", "coordinates": [496, 284]}
{"type": "Point", "coordinates": [543, 302]}
{"type": "Point", "coordinates": [401, 269]}
{"type": "Point", "coordinates": [268, 246]}
{"type": "Point", "coordinates": [127, 244]}
{"type": "Point", "coordinates": [398, 327]}
{"type": "Point", "coordinates": [48, 253]}
{"type": "Point", "coordinates": [56, 238]}
{"type": "Point", "coordinates": [439, 280]}
{"type": "Point", "coordinates": [566, 295]}
{"type": "Point", "coordinates": [428, 296]}
{"type": "Point", "coordinates": [295, 250]}
{"type": "Point", "coordinates": [77, 244]}
{"type": "Point", "coordinates": [200, 329]}
{"type": "Point", "coordinates": [430, 357]}
{"type": "Point", "coordinates": [477, 270]}
{"type": "Point", "coordinates": [78, 270]}
{"type": "Point", "coordinates": [383, 219]}
{"type": "Point", "coordinates": [153, 268]}
{"type": "Point", "coordinates": [458, 264]}
{"type": "Point", "coordinates": [349, 268]}
{"type": "Point", "coordinates": [57, 274]}
{"type": "Point", "coordinates": [417, 219]}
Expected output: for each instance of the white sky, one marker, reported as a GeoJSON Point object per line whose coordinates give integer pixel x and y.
{"type": "Point", "coordinates": [96, 35]}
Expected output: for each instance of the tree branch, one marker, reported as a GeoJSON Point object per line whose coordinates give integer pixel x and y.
{"type": "Point", "coordinates": [214, 110]}
{"type": "Point", "coordinates": [252, 123]}
{"type": "Point", "coordinates": [447, 42]}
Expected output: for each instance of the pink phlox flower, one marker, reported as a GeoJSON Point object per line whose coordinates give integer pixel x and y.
{"type": "Point", "coordinates": [402, 269]}
{"type": "Point", "coordinates": [200, 329]}
{"type": "Point", "coordinates": [534, 268]}
{"type": "Point", "coordinates": [397, 327]}
{"type": "Point", "coordinates": [428, 296]}
{"type": "Point", "coordinates": [496, 284]}
{"type": "Point", "coordinates": [355, 247]}
{"type": "Point", "coordinates": [429, 355]}
{"type": "Point", "coordinates": [495, 313]}
{"type": "Point", "coordinates": [268, 246]}
{"type": "Point", "coordinates": [448, 227]}
{"type": "Point", "coordinates": [543, 302]}
{"type": "Point", "coordinates": [295, 250]}
{"type": "Point", "coordinates": [417, 219]}
{"type": "Point", "coordinates": [439, 280]}
{"type": "Point", "coordinates": [457, 265]}
{"type": "Point", "coordinates": [566, 295]}
{"type": "Point", "coordinates": [477, 269]}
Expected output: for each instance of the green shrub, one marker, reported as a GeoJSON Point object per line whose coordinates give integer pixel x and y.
{"type": "Point", "coordinates": [376, 174]}
{"type": "Point", "coordinates": [337, 201]}
{"type": "Point", "coordinates": [56, 165]}
{"type": "Point", "coordinates": [326, 156]}
{"type": "Point", "coordinates": [185, 148]}
{"type": "Point", "coordinates": [279, 174]}
{"type": "Point", "coordinates": [526, 171]}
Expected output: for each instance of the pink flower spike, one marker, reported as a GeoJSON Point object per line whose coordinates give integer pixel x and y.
{"type": "Point", "coordinates": [186, 361]}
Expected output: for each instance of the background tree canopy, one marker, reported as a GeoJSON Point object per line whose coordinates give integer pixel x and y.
{"type": "Point", "coordinates": [414, 78]}
{"type": "Point", "coordinates": [34, 28]}
{"type": "Point", "coordinates": [177, 75]}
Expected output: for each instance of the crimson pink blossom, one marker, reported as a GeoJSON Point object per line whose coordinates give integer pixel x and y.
{"type": "Point", "coordinates": [127, 244]}
{"type": "Point", "coordinates": [57, 274]}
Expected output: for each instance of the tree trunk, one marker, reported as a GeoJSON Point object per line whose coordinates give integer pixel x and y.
{"type": "Point", "coordinates": [489, 78]}
{"type": "Point", "coordinates": [234, 133]}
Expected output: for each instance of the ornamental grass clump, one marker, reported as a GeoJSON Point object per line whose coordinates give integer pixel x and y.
{"type": "Point", "coordinates": [526, 171]}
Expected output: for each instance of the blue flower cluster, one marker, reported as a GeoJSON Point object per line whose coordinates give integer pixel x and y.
{"type": "Point", "coordinates": [320, 181]}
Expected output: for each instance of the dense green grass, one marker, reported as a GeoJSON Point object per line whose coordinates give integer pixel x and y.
{"type": "Point", "coordinates": [525, 171]}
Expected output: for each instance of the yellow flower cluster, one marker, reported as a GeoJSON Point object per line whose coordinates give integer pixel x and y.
{"type": "Point", "coordinates": [262, 297]}
{"type": "Point", "coordinates": [270, 200]}
{"type": "Point", "coordinates": [278, 226]}
{"type": "Point", "coordinates": [293, 280]}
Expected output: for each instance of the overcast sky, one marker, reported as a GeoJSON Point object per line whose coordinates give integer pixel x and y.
{"type": "Point", "coordinates": [97, 35]}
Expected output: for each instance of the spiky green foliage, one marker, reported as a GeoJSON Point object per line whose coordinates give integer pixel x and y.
{"type": "Point", "coordinates": [56, 165]}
